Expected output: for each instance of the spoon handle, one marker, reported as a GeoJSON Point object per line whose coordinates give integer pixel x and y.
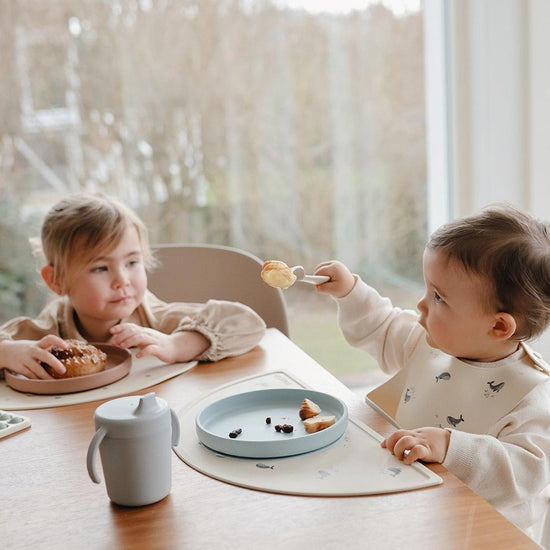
{"type": "Point", "coordinates": [314, 279]}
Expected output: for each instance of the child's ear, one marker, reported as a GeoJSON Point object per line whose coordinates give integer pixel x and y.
{"type": "Point", "coordinates": [504, 326]}
{"type": "Point", "coordinates": [48, 274]}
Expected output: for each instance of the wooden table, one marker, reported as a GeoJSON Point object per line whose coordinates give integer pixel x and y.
{"type": "Point", "coordinates": [48, 500]}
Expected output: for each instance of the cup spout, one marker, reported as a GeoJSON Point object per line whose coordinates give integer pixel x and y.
{"type": "Point", "coordinates": [147, 404]}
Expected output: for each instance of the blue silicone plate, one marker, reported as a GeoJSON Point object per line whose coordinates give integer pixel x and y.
{"type": "Point", "coordinates": [258, 439]}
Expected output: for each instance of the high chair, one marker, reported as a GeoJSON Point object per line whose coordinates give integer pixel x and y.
{"type": "Point", "coordinates": [385, 397]}
{"type": "Point", "coordinates": [199, 272]}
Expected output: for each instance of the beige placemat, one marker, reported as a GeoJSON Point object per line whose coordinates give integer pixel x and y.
{"type": "Point", "coordinates": [144, 373]}
{"type": "Point", "coordinates": [356, 464]}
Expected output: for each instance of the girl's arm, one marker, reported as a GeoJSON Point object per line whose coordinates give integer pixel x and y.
{"type": "Point", "coordinates": [228, 328]}
{"type": "Point", "coordinates": [25, 356]}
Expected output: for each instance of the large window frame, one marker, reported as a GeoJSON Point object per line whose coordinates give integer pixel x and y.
{"type": "Point", "coordinates": [437, 113]}
{"type": "Point", "coordinates": [499, 106]}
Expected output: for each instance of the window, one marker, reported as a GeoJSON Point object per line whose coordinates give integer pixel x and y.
{"type": "Point", "coordinates": [297, 135]}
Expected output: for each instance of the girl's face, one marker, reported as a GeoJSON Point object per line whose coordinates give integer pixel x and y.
{"type": "Point", "coordinates": [109, 287]}
{"type": "Point", "coordinates": [454, 310]}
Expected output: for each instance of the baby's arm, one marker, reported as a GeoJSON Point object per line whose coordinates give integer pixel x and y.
{"type": "Point", "coordinates": [341, 281]}
{"type": "Point", "coordinates": [24, 356]}
{"type": "Point", "coordinates": [427, 444]}
{"type": "Point", "coordinates": [370, 322]}
{"type": "Point", "coordinates": [510, 465]}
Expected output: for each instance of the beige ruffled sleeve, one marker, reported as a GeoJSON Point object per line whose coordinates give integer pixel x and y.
{"type": "Point", "coordinates": [56, 318]}
{"type": "Point", "coordinates": [231, 327]}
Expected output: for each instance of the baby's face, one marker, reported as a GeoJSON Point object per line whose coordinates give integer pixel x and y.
{"type": "Point", "coordinates": [454, 309]}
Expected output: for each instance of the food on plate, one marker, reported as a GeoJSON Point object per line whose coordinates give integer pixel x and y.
{"type": "Point", "coordinates": [309, 409]}
{"type": "Point", "coordinates": [277, 274]}
{"type": "Point", "coordinates": [235, 433]}
{"type": "Point", "coordinates": [318, 423]}
{"type": "Point", "coordinates": [79, 359]}
{"type": "Point", "coordinates": [286, 428]}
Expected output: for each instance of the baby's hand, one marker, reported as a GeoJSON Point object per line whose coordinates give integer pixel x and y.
{"type": "Point", "coordinates": [179, 347]}
{"type": "Point", "coordinates": [341, 280]}
{"type": "Point", "coordinates": [427, 444]}
{"type": "Point", "coordinates": [24, 356]}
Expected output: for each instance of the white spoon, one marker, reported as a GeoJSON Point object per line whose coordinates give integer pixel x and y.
{"type": "Point", "coordinates": [301, 276]}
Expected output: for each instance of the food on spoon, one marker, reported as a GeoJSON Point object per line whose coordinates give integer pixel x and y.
{"type": "Point", "coordinates": [277, 274]}
{"type": "Point", "coordinates": [79, 359]}
{"type": "Point", "coordinates": [309, 409]}
{"type": "Point", "coordinates": [318, 423]}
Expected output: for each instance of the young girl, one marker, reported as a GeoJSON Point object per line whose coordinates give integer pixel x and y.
{"type": "Point", "coordinates": [476, 398]}
{"type": "Point", "coordinates": [97, 253]}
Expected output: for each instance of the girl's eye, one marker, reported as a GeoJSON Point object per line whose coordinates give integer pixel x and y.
{"type": "Point", "coordinates": [99, 269]}
{"type": "Point", "coordinates": [437, 298]}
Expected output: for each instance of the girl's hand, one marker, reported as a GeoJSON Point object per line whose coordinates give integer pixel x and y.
{"type": "Point", "coordinates": [178, 347]}
{"type": "Point", "coordinates": [24, 356]}
{"type": "Point", "coordinates": [427, 444]}
{"type": "Point", "coordinates": [341, 280]}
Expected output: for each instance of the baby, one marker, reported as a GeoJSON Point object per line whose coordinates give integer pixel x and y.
{"type": "Point", "coordinates": [476, 397]}
{"type": "Point", "coordinates": [97, 256]}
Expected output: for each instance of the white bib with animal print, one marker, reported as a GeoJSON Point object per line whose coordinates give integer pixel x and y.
{"type": "Point", "coordinates": [445, 392]}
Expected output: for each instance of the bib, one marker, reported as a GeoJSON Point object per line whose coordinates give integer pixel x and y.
{"type": "Point", "coordinates": [445, 392]}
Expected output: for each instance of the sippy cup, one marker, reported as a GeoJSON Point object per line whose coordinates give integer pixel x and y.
{"type": "Point", "coordinates": [135, 436]}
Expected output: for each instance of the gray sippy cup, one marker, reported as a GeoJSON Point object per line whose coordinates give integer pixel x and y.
{"type": "Point", "coordinates": [135, 436]}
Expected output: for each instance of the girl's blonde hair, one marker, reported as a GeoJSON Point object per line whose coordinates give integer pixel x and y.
{"type": "Point", "coordinates": [79, 227]}
{"type": "Point", "coordinates": [510, 250]}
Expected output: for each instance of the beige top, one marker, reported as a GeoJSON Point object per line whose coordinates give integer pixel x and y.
{"type": "Point", "coordinates": [231, 327]}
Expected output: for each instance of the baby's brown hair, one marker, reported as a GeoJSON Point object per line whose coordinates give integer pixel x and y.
{"type": "Point", "coordinates": [79, 226]}
{"type": "Point", "coordinates": [510, 250]}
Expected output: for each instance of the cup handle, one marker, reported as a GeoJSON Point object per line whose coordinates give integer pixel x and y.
{"type": "Point", "coordinates": [175, 428]}
{"type": "Point", "coordinates": [92, 450]}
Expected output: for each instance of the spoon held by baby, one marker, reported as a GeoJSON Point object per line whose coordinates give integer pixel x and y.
{"type": "Point", "coordinates": [278, 275]}
{"type": "Point", "coordinates": [301, 276]}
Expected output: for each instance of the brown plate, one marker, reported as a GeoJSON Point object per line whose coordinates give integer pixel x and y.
{"type": "Point", "coordinates": [117, 366]}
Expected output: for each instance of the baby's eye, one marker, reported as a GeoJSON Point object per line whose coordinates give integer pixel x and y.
{"type": "Point", "coordinates": [437, 298]}
{"type": "Point", "coordinates": [99, 269]}
{"type": "Point", "coordinates": [134, 262]}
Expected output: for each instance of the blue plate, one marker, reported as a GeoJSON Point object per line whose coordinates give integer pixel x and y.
{"type": "Point", "coordinates": [258, 439]}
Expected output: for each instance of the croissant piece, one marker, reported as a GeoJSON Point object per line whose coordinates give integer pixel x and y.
{"type": "Point", "coordinates": [277, 274]}
{"type": "Point", "coordinates": [309, 409]}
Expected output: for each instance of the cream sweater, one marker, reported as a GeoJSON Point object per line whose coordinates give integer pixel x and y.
{"type": "Point", "coordinates": [507, 461]}
{"type": "Point", "coordinates": [232, 328]}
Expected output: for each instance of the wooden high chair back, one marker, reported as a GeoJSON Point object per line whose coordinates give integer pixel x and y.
{"type": "Point", "coordinates": [199, 272]}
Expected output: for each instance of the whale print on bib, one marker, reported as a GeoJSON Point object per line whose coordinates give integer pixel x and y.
{"type": "Point", "coordinates": [444, 391]}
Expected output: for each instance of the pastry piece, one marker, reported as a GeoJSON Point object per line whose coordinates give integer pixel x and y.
{"type": "Point", "coordinates": [79, 359]}
{"type": "Point", "coordinates": [277, 274]}
{"type": "Point", "coordinates": [318, 423]}
{"type": "Point", "coordinates": [309, 409]}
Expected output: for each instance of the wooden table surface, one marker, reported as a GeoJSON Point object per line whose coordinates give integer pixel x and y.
{"type": "Point", "coordinates": [48, 500]}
